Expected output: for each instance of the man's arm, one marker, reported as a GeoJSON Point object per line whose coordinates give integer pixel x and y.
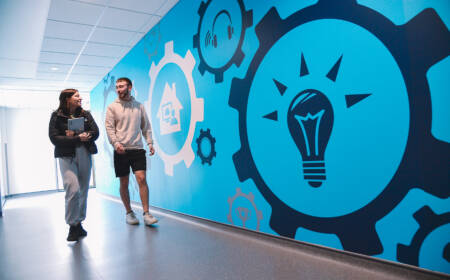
{"type": "Point", "coordinates": [146, 128]}
{"type": "Point", "coordinates": [111, 127]}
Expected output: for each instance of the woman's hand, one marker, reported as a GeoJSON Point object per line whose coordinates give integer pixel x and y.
{"type": "Point", "coordinates": [84, 137]}
{"type": "Point", "coordinates": [70, 133]}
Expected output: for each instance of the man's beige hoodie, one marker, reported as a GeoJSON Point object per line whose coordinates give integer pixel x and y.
{"type": "Point", "coordinates": [124, 122]}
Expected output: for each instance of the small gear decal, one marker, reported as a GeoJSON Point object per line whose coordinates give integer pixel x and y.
{"type": "Point", "coordinates": [429, 222]}
{"type": "Point", "coordinates": [206, 40]}
{"type": "Point", "coordinates": [325, 96]}
{"type": "Point", "coordinates": [186, 65]}
{"type": "Point", "coordinates": [242, 212]}
{"type": "Point", "coordinates": [205, 135]}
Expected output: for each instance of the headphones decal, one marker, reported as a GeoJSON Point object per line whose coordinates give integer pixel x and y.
{"type": "Point", "coordinates": [220, 48]}
{"type": "Point", "coordinates": [211, 37]}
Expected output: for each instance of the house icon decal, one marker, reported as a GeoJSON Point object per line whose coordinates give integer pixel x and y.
{"type": "Point", "coordinates": [169, 111]}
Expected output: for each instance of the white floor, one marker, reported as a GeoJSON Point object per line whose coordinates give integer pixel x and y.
{"type": "Point", "coordinates": [33, 246]}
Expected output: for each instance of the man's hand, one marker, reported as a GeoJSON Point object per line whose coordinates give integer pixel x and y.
{"type": "Point", "coordinates": [70, 133]}
{"type": "Point", "coordinates": [120, 149]}
{"type": "Point", "coordinates": [84, 137]}
{"type": "Point", "coordinates": [151, 149]}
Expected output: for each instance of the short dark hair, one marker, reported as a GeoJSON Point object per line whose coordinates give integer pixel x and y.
{"type": "Point", "coordinates": [125, 79]}
{"type": "Point", "coordinates": [63, 96]}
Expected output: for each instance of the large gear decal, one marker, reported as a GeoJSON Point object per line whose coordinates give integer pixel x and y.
{"type": "Point", "coordinates": [420, 162]}
{"type": "Point", "coordinates": [186, 64]}
{"type": "Point", "coordinates": [206, 135]}
{"type": "Point", "coordinates": [237, 57]}
{"type": "Point", "coordinates": [429, 222]}
{"type": "Point", "coordinates": [243, 212]}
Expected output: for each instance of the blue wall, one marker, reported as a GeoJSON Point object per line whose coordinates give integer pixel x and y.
{"type": "Point", "coordinates": [324, 121]}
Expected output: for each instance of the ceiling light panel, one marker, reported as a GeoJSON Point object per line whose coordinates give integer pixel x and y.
{"type": "Point", "coordinates": [75, 12]}
{"type": "Point", "coordinates": [121, 19]}
{"type": "Point", "coordinates": [71, 31]}
{"type": "Point", "coordinates": [104, 35]}
{"type": "Point", "coordinates": [104, 50]}
{"type": "Point", "coordinates": [144, 6]}
{"type": "Point", "coordinates": [61, 45]}
{"type": "Point", "coordinates": [96, 70]}
{"type": "Point", "coordinates": [55, 57]}
{"type": "Point", "coordinates": [97, 61]}
{"type": "Point", "coordinates": [47, 68]}
{"type": "Point", "coordinates": [50, 76]}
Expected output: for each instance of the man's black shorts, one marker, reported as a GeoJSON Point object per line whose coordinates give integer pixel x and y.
{"type": "Point", "coordinates": [132, 158]}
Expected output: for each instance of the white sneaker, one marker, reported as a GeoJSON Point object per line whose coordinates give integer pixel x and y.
{"type": "Point", "coordinates": [131, 219]}
{"type": "Point", "coordinates": [149, 219]}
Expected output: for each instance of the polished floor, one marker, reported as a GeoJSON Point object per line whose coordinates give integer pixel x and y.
{"type": "Point", "coordinates": [33, 246]}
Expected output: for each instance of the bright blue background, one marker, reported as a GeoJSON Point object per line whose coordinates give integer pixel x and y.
{"type": "Point", "coordinates": [208, 191]}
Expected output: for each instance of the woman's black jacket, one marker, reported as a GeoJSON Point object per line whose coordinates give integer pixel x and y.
{"type": "Point", "coordinates": [65, 145]}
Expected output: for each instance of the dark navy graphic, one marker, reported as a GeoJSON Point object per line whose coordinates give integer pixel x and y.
{"type": "Point", "coordinates": [206, 146]}
{"type": "Point", "coordinates": [432, 237]}
{"type": "Point", "coordinates": [367, 120]}
{"type": "Point", "coordinates": [211, 38]}
{"type": "Point", "coordinates": [224, 30]}
{"type": "Point", "coordinates": [310, 121]}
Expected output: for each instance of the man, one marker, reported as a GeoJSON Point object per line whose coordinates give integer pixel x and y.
{"type": "Point", "coordinates": [125, 120]}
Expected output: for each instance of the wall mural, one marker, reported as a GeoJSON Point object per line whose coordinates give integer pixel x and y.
{"type": "Point", "coordinates": [323, 121]}
{"type": "Point", "coordinates": [206, 146]}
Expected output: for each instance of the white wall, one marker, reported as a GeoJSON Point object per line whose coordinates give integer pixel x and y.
{"type": "Point", "coordinates": [31, 165]}
{"type": "Point", "coordinates": [2, 157]}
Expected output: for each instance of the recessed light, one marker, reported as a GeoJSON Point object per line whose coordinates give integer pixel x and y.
{"type": "Point", "coordinates": [54, 68]}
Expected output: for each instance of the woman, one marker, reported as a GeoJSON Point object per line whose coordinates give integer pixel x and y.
{"type": "Point", "coordinates": [74, 152]}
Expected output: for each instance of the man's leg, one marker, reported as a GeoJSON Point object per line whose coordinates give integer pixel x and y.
{"type": "Point", "coordinates": [139, 166]}
{"type": "Point", "coordinates": [124, 193]}
{"type": "Point", "coordinates": [143, 188]}
{"type": "Point", "coordinates": [143, 192]}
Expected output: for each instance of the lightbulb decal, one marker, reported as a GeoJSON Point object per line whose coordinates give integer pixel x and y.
{"type": "Point", "coordinates": [310, 122]}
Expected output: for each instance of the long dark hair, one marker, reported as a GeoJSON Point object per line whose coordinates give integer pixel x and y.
{"type": "Point", "coordinates": [63, 96]}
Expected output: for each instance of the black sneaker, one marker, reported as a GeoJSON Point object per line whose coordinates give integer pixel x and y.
{"type": "Point", "coordinates": [81, 231]}
{"type": "Point", "coordinates": [73, 234]}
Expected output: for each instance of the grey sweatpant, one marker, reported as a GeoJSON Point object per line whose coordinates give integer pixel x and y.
{"type": "Point", "coordinates": [76, 173]}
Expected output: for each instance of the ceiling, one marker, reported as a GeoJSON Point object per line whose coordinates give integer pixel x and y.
{"type": "Point", "coordinates": [48, 45]}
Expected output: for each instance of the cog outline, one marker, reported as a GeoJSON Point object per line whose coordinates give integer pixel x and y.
{"type": "Point", "coordinates": [206, 134]}
{"type": "Point", "coordinates": [356, 230]}
{"type": "Point", "coordinates": [238, 56]}
{"type": "Point", "coordinates": [428, 221]}
{"type": "Point", "coordinates": [186, 64]}
{"type": "Point", "coordinates": [250, 197]}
